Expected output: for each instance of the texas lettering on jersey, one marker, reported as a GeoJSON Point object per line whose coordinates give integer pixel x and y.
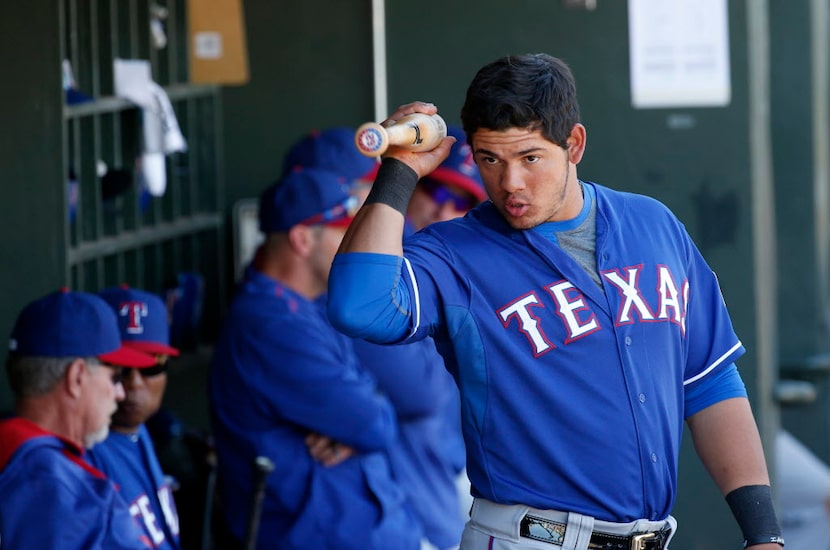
{"type": "Point", "coordinates": [575, 314]}
{"type": "Point", "coordinates": [142, 510]}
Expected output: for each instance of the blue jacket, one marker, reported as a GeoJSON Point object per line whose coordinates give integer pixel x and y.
{"type": "Point", "coordinates": [428, 454]}
{"type": "Point", "coordinates": [50, 497]}
{"type": "Point", "coordinates": [130, 461]}
{"type": "Point", "coordinates": [280, 371]}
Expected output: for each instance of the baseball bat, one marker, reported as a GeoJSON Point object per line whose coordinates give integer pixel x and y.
{"type": "Point", "coordinates": [263, 466]}
{"type": "Point", "coordinates": [416, 132]}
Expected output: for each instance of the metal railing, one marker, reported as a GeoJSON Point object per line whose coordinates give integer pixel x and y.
{"type": "Point", "coordinates": [118, 232]}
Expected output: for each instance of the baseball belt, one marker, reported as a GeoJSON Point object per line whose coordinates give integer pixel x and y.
{"type": "Point", "coordinates": [553, 532]}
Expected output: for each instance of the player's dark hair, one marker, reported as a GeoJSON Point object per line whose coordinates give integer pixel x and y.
{"type": "Point", "coordinates": [534, 91]}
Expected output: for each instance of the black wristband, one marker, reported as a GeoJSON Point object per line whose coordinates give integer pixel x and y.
{"type": "Point", "coordinates": [753, 510]}
{"type": "Point", "coordinates": [393, 185]}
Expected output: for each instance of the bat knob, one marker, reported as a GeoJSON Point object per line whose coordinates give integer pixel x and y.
{"type": "Point", "coordinates": [371, 139]}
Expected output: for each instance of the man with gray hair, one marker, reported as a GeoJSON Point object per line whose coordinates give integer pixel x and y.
{"type": "Point", "coordinates": [60, 368]}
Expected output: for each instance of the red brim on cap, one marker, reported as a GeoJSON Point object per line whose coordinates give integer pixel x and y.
{"type": "Point", "coordinates": [341, 222]}
{"type": "Point", "coordinates": [451, 177]}
{"type": "Point", "coordinates": [371, 174]}
{"type": "Point", "coordinates": [152, 347]}
{"type": "Point", "coordinates": [125, 357]}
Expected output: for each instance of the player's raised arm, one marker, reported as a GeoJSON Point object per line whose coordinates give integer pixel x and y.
{"type": "Point", "coordinates": [378, 226]}
{"type": "Point", "coordinates": [365, 298]}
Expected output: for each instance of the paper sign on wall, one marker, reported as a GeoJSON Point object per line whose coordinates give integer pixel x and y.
{"type": "Point", "coordinates": [679, 53]}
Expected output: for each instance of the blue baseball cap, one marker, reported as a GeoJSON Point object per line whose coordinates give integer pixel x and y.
{"type": "Point", "coordinates": [332, 149]}
{"type": "Point", "coordinates": [72, 324]}
{"type": "Point", "coordinates": [458, 168]}
{"type": "Point", "coordinates": [309, 196]}
{"type": "Point", "coordinates": [142, 319]}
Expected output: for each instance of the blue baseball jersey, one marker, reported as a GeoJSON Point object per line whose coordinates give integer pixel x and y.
{"type": "Point", "coordinates": [280, 371]}
{"type": "Point", "coordinates": [572, 395]}
{"type": "Point", "coordinates": [130, 461]}
{"type": "Point", "coordinates": [50, 497]}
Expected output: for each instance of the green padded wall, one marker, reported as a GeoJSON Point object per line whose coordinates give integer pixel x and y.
{"type": "Point", "coordinates": [31, 208]}
{"type": "Point", "coordinates": [311, 68]}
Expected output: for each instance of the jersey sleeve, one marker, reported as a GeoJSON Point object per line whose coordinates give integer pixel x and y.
{"type": "Point", "coordinates": [366, 297]}
{"type": "Point", "coordinates": [712, 342]}
{"type": "Point", "coordinates": [723, 384]}
{"type": "Point", "coordinates": [388, 299]}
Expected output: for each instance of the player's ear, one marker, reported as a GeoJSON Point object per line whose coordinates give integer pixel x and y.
{"type": "Point", "coordinates": [73, 377]}
{"type": "Point", "coordinates": [301, 238]}
{"type": "Point", "coordinates": [577, 140]}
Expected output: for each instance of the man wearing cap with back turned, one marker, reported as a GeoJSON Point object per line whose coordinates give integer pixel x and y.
{"type": "Point", "coordinates": [62, 353]}
{"type": "Point", "coordinates": [333, 149]}
{"type": "Point", "coordinates": [127, 456]}
{"type": "Point", "coordinates": [285, 385]}
{"type": "Point", "coordinates": [428, 457]}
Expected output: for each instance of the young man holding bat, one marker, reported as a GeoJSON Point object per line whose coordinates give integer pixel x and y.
{"type": "Point", "coordinates": [581, 324]}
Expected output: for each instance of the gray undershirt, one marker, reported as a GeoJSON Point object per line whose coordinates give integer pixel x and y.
{"type": "Point", "coordinates": [579, 242]}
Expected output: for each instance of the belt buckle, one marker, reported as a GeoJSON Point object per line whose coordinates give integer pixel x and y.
{"type": "Point", "coordinates": [641, 541]}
